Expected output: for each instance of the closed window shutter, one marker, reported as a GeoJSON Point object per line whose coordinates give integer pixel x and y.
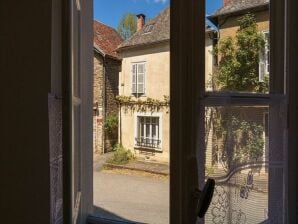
{"type": "Point", "coordinates": [134, 78]}
{"type": "Point", "coordinates": [141, 78]}
{"type": "Point", "coordinates": [262, 66]}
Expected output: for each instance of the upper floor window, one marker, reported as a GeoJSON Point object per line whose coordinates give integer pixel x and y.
{"type": "Point", "coordinates": [138, 78]}
{"type": "Point", "coordinates": [264, 64]}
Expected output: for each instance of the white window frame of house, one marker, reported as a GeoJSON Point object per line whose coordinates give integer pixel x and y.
{"type": "Point", "coordinates": [264, 60]}
{"type": "Point", "coordinates": [135, 78]}
{"type": "Point", "coordinates": [136, 129]}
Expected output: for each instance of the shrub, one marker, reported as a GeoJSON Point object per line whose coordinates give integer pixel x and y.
{"type": "Point", "coordinates": [111, 124]}
{"type": "Point", "coordinates": [121, 155]}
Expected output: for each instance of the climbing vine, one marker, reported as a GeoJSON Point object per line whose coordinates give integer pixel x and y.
{"type": "Point", "coordinates": [238, 68]}
{"type": "Point", "coordinates": [143, 105]}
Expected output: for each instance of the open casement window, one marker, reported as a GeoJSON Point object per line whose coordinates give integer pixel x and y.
{"type": "Point", "coordinates": [138, 78]}
{"type": "Point", "coordinates": [191, 111]}
{"type": "Point", "coordinates": [77, 151]}
{"type": "Point", "coordinates": [76, 107]}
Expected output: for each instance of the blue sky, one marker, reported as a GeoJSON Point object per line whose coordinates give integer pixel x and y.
{"type": "Point", "coordinates": [111, 11]}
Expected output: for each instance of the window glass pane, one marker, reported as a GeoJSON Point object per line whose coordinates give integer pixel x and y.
{"type": "Point", "coordinates": [154, 131]}
{"type": "Point", "coordinates": [248, 174]}
{"type": "Point", "coordinates": [141, 126]}
{"type": "Point", "coordinates": [148, 133]}
{"type": "Point", "coordinates": [237, 46]}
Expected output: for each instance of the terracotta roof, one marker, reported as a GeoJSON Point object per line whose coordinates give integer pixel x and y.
{"type": "Point", "coordinates": [106, 39]}
{"type": "Point", "coordinates": [238, 5]}
{"type": "Point", "coordinates": [156, 30]}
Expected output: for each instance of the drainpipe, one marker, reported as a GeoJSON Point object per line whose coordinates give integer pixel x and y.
{"type": "Point", "coordinates": [120, 108]}
{"type": "Point", "coordinates": [120, 126]}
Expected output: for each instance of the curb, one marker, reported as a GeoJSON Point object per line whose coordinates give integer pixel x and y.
{"type": "Point", "coordinates": [110, 165]}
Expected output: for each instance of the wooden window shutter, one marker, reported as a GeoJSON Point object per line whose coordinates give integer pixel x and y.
{"type": "Point", "coordinates": [134, 78]}
{"type": "Point", "coordinates": [141, 78]}
{"type": "Point", "coordinates": [262, 66]}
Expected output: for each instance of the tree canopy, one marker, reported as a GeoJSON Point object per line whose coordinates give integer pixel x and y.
{"type": "Point", "coordinates": [127, 25]}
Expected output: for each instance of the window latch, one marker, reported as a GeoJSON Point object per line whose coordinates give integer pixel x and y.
{"type": "Point", "coordinates": [204, 197]}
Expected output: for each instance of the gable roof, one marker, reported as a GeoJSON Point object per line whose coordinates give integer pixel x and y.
{"type": "Point", "coordinates": [106, 39]}
{"type": "Point", "coordinates": [237, 6]}
{"type": "Point", "coordinates": [155, 31]}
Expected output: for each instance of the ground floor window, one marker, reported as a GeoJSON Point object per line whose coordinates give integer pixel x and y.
{"type": "Point", "coordinates": [148, 132]}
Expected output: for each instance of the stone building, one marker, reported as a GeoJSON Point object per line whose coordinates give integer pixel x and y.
{"type": "Point", "coordinates": [107, 65]}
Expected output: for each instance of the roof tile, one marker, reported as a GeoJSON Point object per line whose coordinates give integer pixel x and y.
{"type": "Point", "coordinates": [156, 30]}
{"type": "Point", "coordinates": [106, 39]}
{"type": "Point", "coordinates": [238, 5]}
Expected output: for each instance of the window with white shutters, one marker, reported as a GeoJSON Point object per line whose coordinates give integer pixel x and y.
{"type": "Point", "coordinates": [138, 79]}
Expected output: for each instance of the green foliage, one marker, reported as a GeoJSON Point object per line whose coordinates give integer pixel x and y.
{"type": "Point", "coordinates": [239, 59]}
{"type": "Point", "coordinates": [111, 124]}
{"type": "Point", "coordinates": [127, 26]}
{"type": "Point", "coordinates": [121, 155]}
{"type": "Point", "coordinates": [142, 105]}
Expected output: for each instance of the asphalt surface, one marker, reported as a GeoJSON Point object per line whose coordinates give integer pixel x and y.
{"type": "Point", "coordinates": [131, 197]}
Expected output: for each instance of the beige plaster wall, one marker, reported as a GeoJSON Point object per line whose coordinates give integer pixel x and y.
{"type": "Point", "coordinates": [157, 76]}
{"type": "Point", "coordinates": [157, 80]}
{"type": "Point", "coordinates": [157, 84]}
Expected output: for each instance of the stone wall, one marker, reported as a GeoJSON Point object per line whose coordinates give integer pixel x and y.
{"type": "Point", "coordinates": [112, 69]}
{"type": "Point", "coordinates": [98, 103]}
{"type": "Point", "coordinates": [106, 80]}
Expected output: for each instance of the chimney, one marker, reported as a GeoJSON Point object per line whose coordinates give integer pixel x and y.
{"type": "Point", "coordinates": [141, 21]}
{"type": "Point", "coordinates": [226, 2]}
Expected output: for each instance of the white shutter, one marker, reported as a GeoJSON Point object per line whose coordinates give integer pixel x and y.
{"type": "Point", "coordinates": [141, 78]}
{"type": "Point", "coordinates": [134, 78]}
{"type": "Point", "coordinates": [262, 66]}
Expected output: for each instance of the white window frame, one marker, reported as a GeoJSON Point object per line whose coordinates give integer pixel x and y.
{"type": "Point", "coordinates": [136, 92]}
{"type": "Point", "coordinates": [136, 125]}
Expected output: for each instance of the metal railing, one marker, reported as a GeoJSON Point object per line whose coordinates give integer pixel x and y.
{"type": "Point", "coordinates": [148, 142]}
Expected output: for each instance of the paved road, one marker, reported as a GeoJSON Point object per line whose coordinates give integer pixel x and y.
{"type": "Point", "coordinates": [132, 197]}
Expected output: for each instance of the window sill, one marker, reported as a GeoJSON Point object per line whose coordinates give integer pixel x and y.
{"type": "Point", "coordinates": [148, 149]}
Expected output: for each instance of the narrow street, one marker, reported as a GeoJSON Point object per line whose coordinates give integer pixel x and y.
{"type": "Point", "coordinates": [131, 196]}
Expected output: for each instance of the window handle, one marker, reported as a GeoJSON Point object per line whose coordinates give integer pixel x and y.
{"type": "Point", "coordinates": [204, 197]}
